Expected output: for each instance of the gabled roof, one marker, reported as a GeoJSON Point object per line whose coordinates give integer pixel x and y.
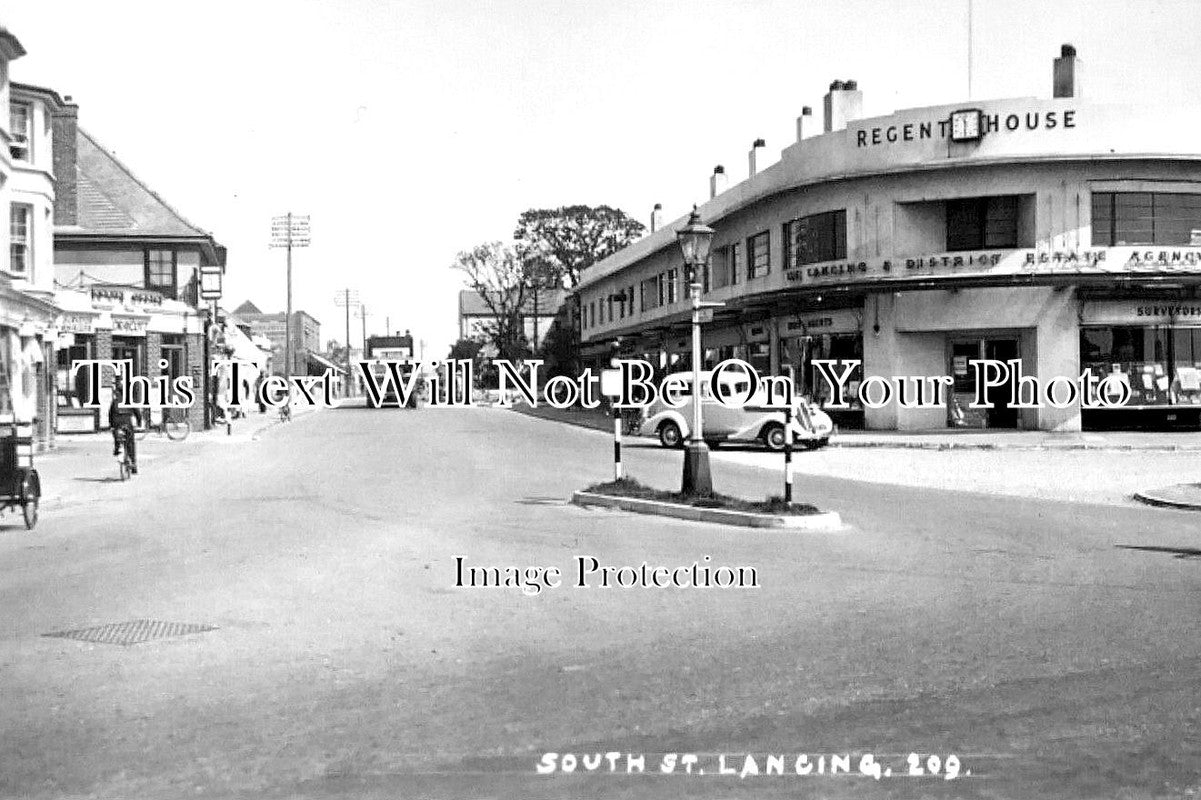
{"type": "Point", "coordinates": [247, 308]}
{"type": "Point", "coordinates": [114, 202]}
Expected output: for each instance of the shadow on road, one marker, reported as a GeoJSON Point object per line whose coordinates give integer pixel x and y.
{"type": "Point", "coordinates": [1179, 552]}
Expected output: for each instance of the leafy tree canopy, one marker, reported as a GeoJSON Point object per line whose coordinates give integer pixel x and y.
{"type": "Point", "coordinates": [570, 239]}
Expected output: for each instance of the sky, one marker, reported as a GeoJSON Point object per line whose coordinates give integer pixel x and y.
{"type": "Point", "coordinates": [411, 130]}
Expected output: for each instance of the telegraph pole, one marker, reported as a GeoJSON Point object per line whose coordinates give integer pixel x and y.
{"type": "Point", "coordinates": [346, 299]}
{"type": "Point", "coordinates": [289, 231]}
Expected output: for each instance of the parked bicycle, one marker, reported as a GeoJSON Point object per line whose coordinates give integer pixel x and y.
{"type": "Point", "coordinates": [173, 422]}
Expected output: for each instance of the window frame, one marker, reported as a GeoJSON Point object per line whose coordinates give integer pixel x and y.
{"type": "Point", "coordinates": [21, 140]}
{"type": "Point", "coordinates": [26, 241]}
{"type": "Point", "coordinates": [835, 221]}
{"type": "Point", "coordinates": [753, 252]}
{"type": "Point", "coordinates": [173, 292]}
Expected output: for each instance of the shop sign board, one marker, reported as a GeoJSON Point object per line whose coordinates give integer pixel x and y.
{"type": "Point", "coordinates": [1141, 312]}
{"type": "Point", "coordinates": [1026, 261]}
{"type": "Point", "coordinates": [129, 326]}
{"type": "Point", "coordinates": [77, 323]}
{"type": "Point", "coordinates": [818, 323]}
{"type": "Point", "coordinates": [113, 297]}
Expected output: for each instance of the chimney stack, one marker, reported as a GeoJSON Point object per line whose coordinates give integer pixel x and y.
{"type": "Point", "coordinates": [656, 217]}
{"type": "Point", "coordinates": [717, 181]}
{"type": "Point", "coordinates": [64, 122]}
{"type": "Point", "coordinates": [753, 156]}
{"type": "Point", "coordinates": [1066, 73]}
{"type": "Point", "coordinates": [806, 111]}
{"type": "Point", "coordinates": [844, 103]}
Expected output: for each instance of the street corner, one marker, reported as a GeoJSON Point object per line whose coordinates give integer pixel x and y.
{"type": "Point", "coordinates": [1182, 496]}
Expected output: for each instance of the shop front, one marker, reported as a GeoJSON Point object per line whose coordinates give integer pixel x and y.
{"type": "Point", "coordinates": [27, 337]}
{"type": "Point", "coordinates": [159, 338]}
{"type": "Point", "coordinates": [835, 335]}
{"type": "Point", "coordinates": [1153, 347]}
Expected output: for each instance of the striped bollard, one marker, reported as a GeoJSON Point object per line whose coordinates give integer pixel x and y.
{"type": "Point", "coordinates": [616, 443]}
{"type": "Point", "coordinates": [788, 454]}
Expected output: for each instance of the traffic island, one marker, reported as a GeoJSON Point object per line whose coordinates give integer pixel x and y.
{"type": "Point", "coordinates": [1181, 495]}
{"type": "Point", "coordinates": [628, 494]}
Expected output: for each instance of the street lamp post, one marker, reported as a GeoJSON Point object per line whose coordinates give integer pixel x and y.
{"type": "Point", "coordinates": [695, 239]}
{"type": "Point", "coordinates": [210, 290]}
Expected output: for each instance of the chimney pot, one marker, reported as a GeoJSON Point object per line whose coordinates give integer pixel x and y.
{"type": "Point", "coordinates": [1065, 73]}
{"type": "Point", "coordinates": [717, 181]}
{"type": "Point", "coordinates": [844, 103]}
{"type": "Point", "coordinates": [752, 156]}
{"type": "Point", "coordinates": [656, 217]}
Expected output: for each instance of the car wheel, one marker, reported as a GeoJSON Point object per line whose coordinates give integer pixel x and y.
{"type": "Point", "coordinates": [773, 437]}
{"type": "Point", "coordinates": [669, 435]}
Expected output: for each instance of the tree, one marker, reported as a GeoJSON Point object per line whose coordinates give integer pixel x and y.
{"type": "Point", "coordinates": [499, 275]}
{"type": "Point", "coordinates": [464, 350]}
{"type": "Point", "coordinates": [572, 238]}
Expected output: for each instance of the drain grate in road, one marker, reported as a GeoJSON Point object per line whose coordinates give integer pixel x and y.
{"type": "Point", "coordinates": [132, 632]}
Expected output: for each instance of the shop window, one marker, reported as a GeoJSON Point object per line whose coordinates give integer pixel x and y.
{"type": "Point", "coordinates": [797, 354]}
{"type": "Point", "coordinates": [1138, 218]}
{"type": "Point", "coordinates": [20, 126]}
{"type": "Point", "coordinates": [815, 238]}
{"type": "Point", "coordinates": [758, 255]}
{"type": "Point", "coordinates": [19, 257]}
{"type": "Point", "coordinates": [982, 223]}
{"type": "Point", "coordinates": [160, 272]}
{"type": "Point", "coordinates": [1139, 356]}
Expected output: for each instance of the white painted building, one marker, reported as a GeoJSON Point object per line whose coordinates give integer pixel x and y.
{"type": "Point", "coordinates": [1062, 232]}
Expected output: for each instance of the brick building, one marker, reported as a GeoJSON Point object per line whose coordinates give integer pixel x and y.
{"type": "Point", "coordinates": [306, 337]}
{"type": "Point", "coordinates": [127, 267]}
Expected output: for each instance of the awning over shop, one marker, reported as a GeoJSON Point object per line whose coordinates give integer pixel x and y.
{"type": "Point", "coordinates": [321, 364]}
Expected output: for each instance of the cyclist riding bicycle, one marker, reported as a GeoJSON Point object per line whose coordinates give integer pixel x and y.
{"type": "Point", "coordinates": [120, 422]}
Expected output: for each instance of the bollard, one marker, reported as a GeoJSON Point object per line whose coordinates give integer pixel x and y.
{"type": "Point", "coordinates": [616, 443]}
{"type": "Point", "coordinates": [788, 454]}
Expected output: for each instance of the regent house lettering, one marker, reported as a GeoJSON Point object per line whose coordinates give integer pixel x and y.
{"type": "Point", "coordinates": [988, 123]}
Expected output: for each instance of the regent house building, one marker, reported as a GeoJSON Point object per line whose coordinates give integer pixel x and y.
{"type": "Point", "coordinates": [1062, 232]}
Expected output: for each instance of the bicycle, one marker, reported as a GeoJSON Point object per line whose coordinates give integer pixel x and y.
{"type": "Point", "coordinates": [125, 464]}
{"type": "Point", "coordinates": [285, 413]}
{"type": "Point", "coordinates": [173, 422]}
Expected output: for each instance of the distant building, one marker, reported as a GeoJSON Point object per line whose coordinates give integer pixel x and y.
{"type": "Point", "coordinates": [306, 338]}
{"type": "Point", "coordinates": [537, 313]}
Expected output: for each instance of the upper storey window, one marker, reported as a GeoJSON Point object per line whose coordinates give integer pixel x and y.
{"type": "Point", "coordinates": [982, 223]}
{"type": "Point", "coordinates": [1162, 218]}
{"type": "Point", "coordinates": [20, 218]}
{"type": "Point", "coordinates": [815, 238]}
{"type": "Point", "coordinates": [758, 255]}
{"type": "Point", "coordinates": [20, 125]}
{"type": "Point", "coordinates": [160, 272]}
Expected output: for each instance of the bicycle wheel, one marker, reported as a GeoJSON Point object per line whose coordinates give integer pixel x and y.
{"type": "Point", "coordinates": [31, 494]}
{"type": "Point", "coordinates": [177, 426]}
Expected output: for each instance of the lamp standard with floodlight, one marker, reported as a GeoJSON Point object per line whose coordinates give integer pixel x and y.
{"type": "Point", "coordinates": [695, 239]}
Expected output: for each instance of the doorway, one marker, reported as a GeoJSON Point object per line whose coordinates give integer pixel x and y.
{"type": "Point", "coordinates": [961, 353]}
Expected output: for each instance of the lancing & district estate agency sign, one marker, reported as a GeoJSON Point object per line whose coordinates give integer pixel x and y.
{"type": "Point", "coordinates": [1025, 261]}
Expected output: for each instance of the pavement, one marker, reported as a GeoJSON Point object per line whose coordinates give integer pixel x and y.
{"type": "Point", "coordinates": [1050, 647]}
{"type": "Point", "coordinates": [80, 466]}
{"type": "Point", "coordinates": [1113, 468]}
{"type": "Point", "coordinates": [1170, 441]}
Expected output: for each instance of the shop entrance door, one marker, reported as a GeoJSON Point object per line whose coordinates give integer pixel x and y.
{"type": "Point", "coordinates": [959, 413]}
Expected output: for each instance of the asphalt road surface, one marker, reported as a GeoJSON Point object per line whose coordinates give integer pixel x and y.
{"type": "Point", "coordinates": [1035, 642]}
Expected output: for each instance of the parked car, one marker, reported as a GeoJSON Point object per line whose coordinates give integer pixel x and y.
{"type": "Point", "coordinates": [756, 421]}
